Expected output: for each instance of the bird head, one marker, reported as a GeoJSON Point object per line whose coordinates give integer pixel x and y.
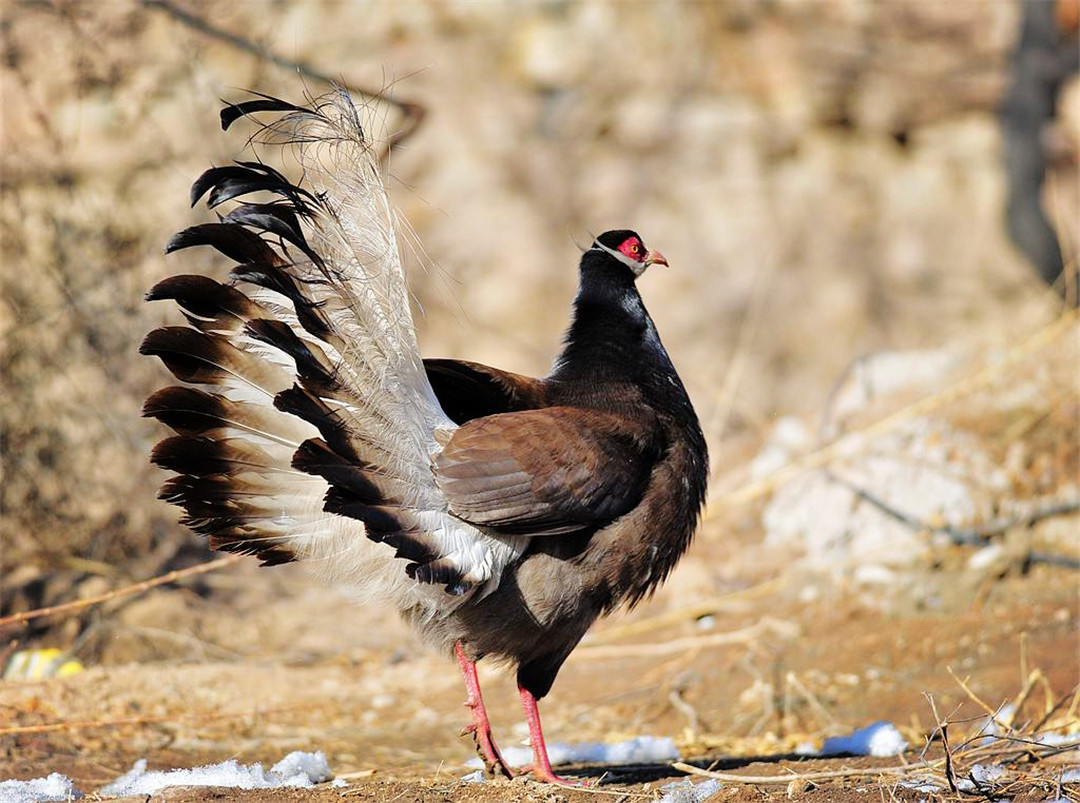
{"type": "Point", "coordinates": [628, 248]}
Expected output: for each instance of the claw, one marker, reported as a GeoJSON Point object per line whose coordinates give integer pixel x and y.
{"type": "Point", "coordinates": [480, 727]}
{"type": "Point", "coordinates": [542, 776]}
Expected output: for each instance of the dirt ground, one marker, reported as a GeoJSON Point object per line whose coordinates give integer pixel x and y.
{"type": "Point", "coordinates": [284, 665]}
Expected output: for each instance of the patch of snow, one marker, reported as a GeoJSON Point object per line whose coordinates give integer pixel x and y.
{"type": "Point", "coordinates": [299, 764]}
{"type": "Point", "coordinates": [919, 785]}
{"type": "Point", "coordinates": [685, 791]}
{"type": "Point", "coordinates": [298, 769]}
{"type": "Point", "coordinates": [1071, 776]}
{"type": "Point", "coordinates": [981, 774]}
{"type": "Point", "coordinates": [476, 776]}
{"type": "Point", "coordinates": [38, 790]}
{"type": "Point", "coordinates": [640, 750]}
{"type": "Point", "coordinates": [1054, 739]}
{"type": "Point", "coordinates": [988, 773]}
{"type": "Point", "coordinates": [881, 739]}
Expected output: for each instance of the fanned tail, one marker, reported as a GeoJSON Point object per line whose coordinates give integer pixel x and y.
{"type": "Point", "coordinates": [315, 424]}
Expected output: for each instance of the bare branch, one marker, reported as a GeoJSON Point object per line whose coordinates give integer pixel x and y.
{"type": "Point", "coordinates": [412, 113]}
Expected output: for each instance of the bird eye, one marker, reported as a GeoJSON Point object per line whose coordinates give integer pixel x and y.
{"type": "Point", "coordinates": [635, 249]}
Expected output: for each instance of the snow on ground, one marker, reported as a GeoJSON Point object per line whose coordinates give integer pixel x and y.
{"type": "Point", "coordinates": [1053, 739]}
{"type": "Point", "coordinates": [298, 769]}
{"type": "Point", "coordinates": [53, 787]}
{"type": "Point", "coordinates": [985, 779]}
{"type": "Point", "coordinates": [924, 468]}
{"type": "Point", "coordinates": [686, 791]}
{"type": "Point", "coordinates": [640, 750]}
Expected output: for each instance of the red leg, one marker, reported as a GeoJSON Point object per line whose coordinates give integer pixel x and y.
{"type": "Point", "coordinates": [480, 727]}
{"type": "Point", "coordinates": [541, 767]}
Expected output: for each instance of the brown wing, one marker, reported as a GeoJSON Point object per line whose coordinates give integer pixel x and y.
{"type": "Point", "coordinates": [547, 471]}
{"type": "Point", "coordinates": [468, 390]}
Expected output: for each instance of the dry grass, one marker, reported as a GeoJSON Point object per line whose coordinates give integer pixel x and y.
{"type": "Point", "coordinates": [999, 755]}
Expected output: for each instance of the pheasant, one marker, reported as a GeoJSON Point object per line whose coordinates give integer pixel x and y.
{"type": "Point", "coordinates": [500, 514]}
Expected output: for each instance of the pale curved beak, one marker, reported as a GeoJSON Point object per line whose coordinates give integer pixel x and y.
{"type": "Point", "coordinates": [655, 258]}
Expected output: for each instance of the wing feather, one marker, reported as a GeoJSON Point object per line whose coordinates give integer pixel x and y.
{"type": "Point", "coordinates": [547, 471]}
{"type": "Point", "coordinates": [468, 390]}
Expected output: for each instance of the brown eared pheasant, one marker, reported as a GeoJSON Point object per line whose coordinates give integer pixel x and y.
{"type": "Point", "coordinates": [500, 514]}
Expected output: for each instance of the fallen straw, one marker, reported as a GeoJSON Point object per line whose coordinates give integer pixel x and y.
{"type": "Point", "coordinates": [795, 776]}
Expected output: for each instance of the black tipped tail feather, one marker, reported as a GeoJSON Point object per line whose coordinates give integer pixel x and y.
{"type": "Point", "coordinates": [311, 431]}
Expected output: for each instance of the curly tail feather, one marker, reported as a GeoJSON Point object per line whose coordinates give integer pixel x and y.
{"type": "Point", "coordinates": [315, 424]}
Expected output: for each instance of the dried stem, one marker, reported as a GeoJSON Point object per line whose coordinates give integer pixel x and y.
{"type": "Point", "coordinates": [992, 712]}
{"type": "Point", "coordinates": [786, 779]}
{"type": "Point", "coordinates": [679, 645]}
{"type": "Point", "coordinates": [680, 615]}
{"type": "Point", "coordinates": [117, 593]}
{"type": "Point", "coordinates": [413, 113]}
{"type": "Point", "coordinates": [92, 724]}
{"type": "Point", "coordinates": [942, 727]}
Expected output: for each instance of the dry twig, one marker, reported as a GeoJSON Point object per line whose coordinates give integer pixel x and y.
{"type": "Point", "coordinates": [795, 776]}
{"type": "Point", "coordinates": [117, 593]}
{"type": "Point", "coordinates": [679, 645]}
{"type": "Point", "coordinates": [93, 724]}
{"type": "Point", "coordinates": [975, 536]}
{"type": "Point", "coordinates": [943, 729]}
{"type": "Point", "coordinates": [412, 113]}
{"type": "Point", "coordinates": [680, 615]}
{"type": "Point", "coordinates": [992, 712]}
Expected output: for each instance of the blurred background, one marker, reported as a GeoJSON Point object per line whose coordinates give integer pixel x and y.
{"type": "Point", "coordinates": [828, 179]}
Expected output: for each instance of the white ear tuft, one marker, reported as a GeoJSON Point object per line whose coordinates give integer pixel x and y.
{"type": "Point", "coordinates": [637, 268]}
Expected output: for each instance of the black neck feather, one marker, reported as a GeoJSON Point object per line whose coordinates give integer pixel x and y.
{"type": "Point", "coordinates": [612, 339]}
{"type": "Point", "coordinates": [610, 332]}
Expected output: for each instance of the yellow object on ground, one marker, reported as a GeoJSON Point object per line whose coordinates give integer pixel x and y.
{"type": "Point", "coordinates": [34, 664]}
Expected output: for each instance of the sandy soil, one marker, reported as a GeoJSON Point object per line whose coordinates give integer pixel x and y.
{"type": "Point", "coordinates": [286, 666]}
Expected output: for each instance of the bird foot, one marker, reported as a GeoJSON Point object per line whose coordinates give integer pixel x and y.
{"type": "Point", "coordinates": [547, 776]}
{"type": "Point", "coordinates": [494, 763]}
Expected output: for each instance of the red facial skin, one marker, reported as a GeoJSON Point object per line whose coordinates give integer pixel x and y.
{"type": "Point", "coordinates": [633, 248]}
